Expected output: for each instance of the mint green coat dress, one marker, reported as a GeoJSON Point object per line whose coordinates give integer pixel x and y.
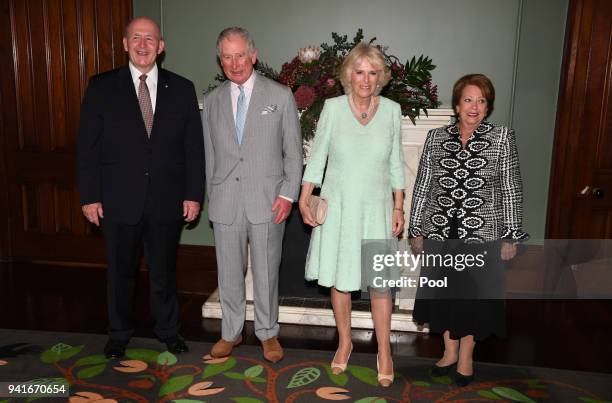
{"type": "Point", "coordinates": [364, 167]}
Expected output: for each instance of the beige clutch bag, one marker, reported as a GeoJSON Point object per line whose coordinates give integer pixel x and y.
{"type": "Point", "coordinates": [318, 208]}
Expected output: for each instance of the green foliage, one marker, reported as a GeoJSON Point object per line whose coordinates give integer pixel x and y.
{"type": "Point", "coordinates": [487, 394]}
{"type": "Point", "coordinates": [512, 394]}
{"type": "Point", "coordinates": [253, 371]}
{"type": "Point", "coordinates": [340, 379]}
{"type": "Point", "coordinates": [175, 384]}
{"type": "Point", "coordinates": [166, 358]}
{"type": "Point", "coordinates": [91, 360]}
{"type": "Point", "coordinates": [246, 400]}
{"type": "Point", "coordinates": [235, 375]}
{"type": "Point", "coordinates": [304, 377]}
{"type": "Point", "coordinates": [90, 372]}
{"type": "Point", "coordinates": [59, 352]}
{"type": "Point", "coordinates": [142, 354]}
{"type": "Point", "coordinates": [444, 380]}
{"type": "Point", "coordinates": [364, 374]}
{"type": "Point", "coordinates": [214, 369]}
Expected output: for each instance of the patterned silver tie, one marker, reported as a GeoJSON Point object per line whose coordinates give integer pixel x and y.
{"type": "Point", "coordinates": [240, 114]}
{"type": "Point", "coordinates": [144, 99]}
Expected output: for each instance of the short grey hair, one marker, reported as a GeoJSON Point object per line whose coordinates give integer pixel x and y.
{"type": "Point", "coordinates": [241, 32]}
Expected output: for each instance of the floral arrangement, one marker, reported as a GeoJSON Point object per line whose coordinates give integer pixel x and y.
{"type": "Point", "coordinates": [313, 76]}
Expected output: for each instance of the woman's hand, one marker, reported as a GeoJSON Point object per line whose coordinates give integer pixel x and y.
{"type": "Point", "coordinates": [307, 217]}
{"type": "Point", "coordinates": [416, 244]}
{"type": "Point", "coordinates": [397, 223]}
{"type": "Point", "coordinates": [508, 250]}
{"type": "Point", "coordinates": [306, 214]}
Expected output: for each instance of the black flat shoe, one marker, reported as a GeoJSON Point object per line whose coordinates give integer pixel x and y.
{"type": "Point", "coordinates": [176, 345]}
{"type": "Point", "coordinates": [463, 380]}
{"type": "Point", "coordinates": [441, 371]}
{"type": "Point", "coordinates": [114, 349]}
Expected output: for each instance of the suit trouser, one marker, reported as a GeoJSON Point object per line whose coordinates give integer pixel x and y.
{"type": "Point", "coordinates": [123, 245]}
{"type": "Point", "coordinates": [265, 242]}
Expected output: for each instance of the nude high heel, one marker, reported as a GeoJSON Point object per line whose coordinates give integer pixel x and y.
{"type": "Point", "coordinates": [384, 380]}
{"type": "Point", "coordinates": [339, 366]}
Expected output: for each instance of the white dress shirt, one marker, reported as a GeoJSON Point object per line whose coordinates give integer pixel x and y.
{"type": "Point", "coordinates": [151, 81]}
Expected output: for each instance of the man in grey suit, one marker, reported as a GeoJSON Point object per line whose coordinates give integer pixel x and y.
{"type": "Point", "coordinates": [253, 171]}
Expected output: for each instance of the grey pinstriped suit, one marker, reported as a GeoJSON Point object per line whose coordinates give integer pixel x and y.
{"type": "Point", "coordinates": [242, 183]}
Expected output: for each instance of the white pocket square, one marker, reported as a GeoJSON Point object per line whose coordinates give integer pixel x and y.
{"type": "Point", "coordinates": [269, 109]}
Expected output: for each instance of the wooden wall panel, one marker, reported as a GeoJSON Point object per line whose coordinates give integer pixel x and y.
{"type": "Point", "coordinates": [580, 195]}
{"type": "Point", "coordinates": [48, 55]}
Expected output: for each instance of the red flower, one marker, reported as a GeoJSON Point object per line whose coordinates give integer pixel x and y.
{"type": "Point", "coordinates": [304, 96]}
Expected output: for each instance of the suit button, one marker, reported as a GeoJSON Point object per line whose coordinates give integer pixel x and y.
{"type": "Point", "coordinates": [241, 159]}
{"type": "Point", "coordinates": [146, 174]}
{"type": "Point", "coordinates": [237, 179]}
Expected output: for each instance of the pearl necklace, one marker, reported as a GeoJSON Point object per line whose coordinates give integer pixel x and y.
{"type": "Point", "coordinates": [363, 115]}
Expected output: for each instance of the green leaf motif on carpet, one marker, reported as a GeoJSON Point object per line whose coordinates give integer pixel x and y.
{"type": "Point", "coordinates": [258, 379]}
{"type": "Point", "coordinates": [90, 372]}
{"type": "Point", "coordinates": [512, 394]}
{"type": "Point", "coordinates": [175, 384]}
{"type": "Point", "coordinates": [443, 380]}
{"type": "Point", "coordinates": [246, 400]}
{"type": "Point", "coordinates": [304, 377]}
{"type": "Point", "coordinates": [186, 401]}
{"type": "Point", "coordinates": [59, 352]}
{"type": "Point", "coordinates": [167, 358]}
{"type": "Point", "coordinates": [142, 354]}
{"type": "Point", "coordinates": [340, 379]}
{"type": "Point", "coordinates": [91, 360]}
{"type": "Point", "coordinates": [422, 384]}
{"type": "Point", "coordinates": [487, 394]}
{"type": "Point", "coordinates": [235, 375]}
{"type": "Point", "coordinates": [214, 369]}
{"type": "Point", "coordinates": [591, 400]}
{"type": "Point", "coordinates": [253, 371]}
{"type": "Point", "coordinates": [374, 399]}
{"type": "Point", "coordinates": [364, 374]}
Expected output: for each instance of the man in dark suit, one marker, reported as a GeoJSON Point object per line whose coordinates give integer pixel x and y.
{"type": "Point", "coordinates": [140, 169]}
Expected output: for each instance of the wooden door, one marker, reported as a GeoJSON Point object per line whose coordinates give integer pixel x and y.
{"type": "Point", "coordinates": [48, 50]}
{"type": "Point", "coordinates": [580, 195]}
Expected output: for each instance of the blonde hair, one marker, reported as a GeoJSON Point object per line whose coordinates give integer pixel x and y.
{"type": "Point", "coordinates": [376, 59]}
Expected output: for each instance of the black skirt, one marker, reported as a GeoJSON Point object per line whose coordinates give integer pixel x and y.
{"type": "Point", "coordinates": [473, 301]}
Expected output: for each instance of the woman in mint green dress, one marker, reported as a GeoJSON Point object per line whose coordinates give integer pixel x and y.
{"type": "Point", "coordinates": [358, 136]}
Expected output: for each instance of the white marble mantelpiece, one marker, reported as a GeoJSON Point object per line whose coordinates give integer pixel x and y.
{"type": "Point", "coordinates": [413, 138]}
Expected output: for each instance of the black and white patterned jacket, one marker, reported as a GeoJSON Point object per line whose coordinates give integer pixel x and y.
{"type": "Point", "coordinates": [480, 185]}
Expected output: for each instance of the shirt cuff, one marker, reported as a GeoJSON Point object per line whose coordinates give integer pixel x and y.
{"type": "Point", "coordinates": [286, 198]}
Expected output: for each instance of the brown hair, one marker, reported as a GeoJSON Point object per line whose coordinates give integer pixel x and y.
{"type": "Point", "coordinates": [479, 80]}
{"type": "Point", "coordinates": [376, 59]}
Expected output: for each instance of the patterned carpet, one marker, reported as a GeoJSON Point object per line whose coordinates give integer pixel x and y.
{"type": "Point", "coordinates": [150, 374]}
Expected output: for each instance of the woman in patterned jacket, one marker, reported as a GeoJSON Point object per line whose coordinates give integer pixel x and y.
{"type": "Point", "coordinates": [468, 188]}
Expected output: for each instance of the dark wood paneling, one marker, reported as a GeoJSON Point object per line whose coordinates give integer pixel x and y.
{"type": "Point", "coordinates": [49, 52]}
{"type": "Point", "coordinates": [582, 149]}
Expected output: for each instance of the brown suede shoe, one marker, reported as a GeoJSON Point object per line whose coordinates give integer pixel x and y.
{"type": "Point", "coordinates": [223, 348]}
{"type": "Point", "coordinates": [272, 350]}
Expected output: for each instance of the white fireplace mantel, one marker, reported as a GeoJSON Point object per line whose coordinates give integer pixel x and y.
{"type": "Point", "coordinates": [413, 138]}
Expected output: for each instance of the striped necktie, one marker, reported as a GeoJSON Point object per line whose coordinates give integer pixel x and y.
{"type": "Point", "coordinates": [144, 99]}
{"type": "Point", "coordinates": [240, 114]}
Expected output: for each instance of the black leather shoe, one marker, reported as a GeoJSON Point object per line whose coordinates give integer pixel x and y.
{"type": "Point", "coordinates": [463, 380]}
{"type": "Point", "coordinates": [114, 349]}
{"type": "Point", "coordinates": [176, 345]}
{"type": "Point", "coordinates": [437, 371]}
